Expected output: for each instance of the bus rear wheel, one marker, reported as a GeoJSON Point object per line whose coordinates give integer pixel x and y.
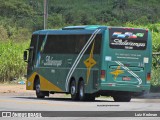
{"type": "Point", "coordinates": [82, 95]}
{"type": "Point", "coordinates": [73, 92]}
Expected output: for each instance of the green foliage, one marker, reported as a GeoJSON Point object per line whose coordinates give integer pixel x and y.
{"type": "Point", "coordinates": [11, 60]}
{"type": "Point", "coordinates": [3, 33]}
{"type": "Point", "coordinates": [19, 34]}
{"type": "Point", "coordinates": [155, 77]}
{"type": "Point", "coordinates": [57, 21]}
{"type": "Point", "coordinates": [29, 13]}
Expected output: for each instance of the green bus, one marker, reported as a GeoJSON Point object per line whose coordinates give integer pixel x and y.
{"type": "Point", "coordinates": [90, 61]}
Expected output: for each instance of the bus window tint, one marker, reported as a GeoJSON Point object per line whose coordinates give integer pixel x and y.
{"type": "Point", "coordinates": [80, 42]}
{"type": "Point", "coordinates": [59, 44]}
{"type": "Point", "coordinates": [70, 44]}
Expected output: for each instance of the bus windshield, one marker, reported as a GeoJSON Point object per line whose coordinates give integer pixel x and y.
{"type": "Point", "coordinates": [128, 38]}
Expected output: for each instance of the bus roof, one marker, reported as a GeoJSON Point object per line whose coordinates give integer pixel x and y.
{"type": "Point", "coordinates": [84, 27]}
{"type": "Point", "coordinates": [77, 29]}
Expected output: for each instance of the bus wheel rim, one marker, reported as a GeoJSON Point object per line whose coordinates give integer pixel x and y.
{"type": "Point", "coordinates": [81, 91]}
{"type": "Point", "coordinates": [73, 89]}
{"type": "Point", "coordinates": [38, 88]}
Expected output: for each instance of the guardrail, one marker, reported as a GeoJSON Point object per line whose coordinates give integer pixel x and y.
{"type": "Point", "coordinates": [156, 59]}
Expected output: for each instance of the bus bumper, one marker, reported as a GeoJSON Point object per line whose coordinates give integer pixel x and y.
{"type": "Point", "coordinates": [122, 87]}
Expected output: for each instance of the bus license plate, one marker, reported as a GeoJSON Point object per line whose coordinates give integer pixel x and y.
{"type": "Point", "coordinates": [126, 78]}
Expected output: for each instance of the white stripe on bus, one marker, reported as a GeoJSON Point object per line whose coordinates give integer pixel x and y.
{"type": "Point", "coordinates": [128, 69]}
{"type": "Point", "coordinates": [131, 72]}
{"type": "Point", "coordinates": [80, 56]}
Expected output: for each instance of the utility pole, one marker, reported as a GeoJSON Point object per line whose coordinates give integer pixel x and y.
{"type": "Point", "coordinates": [45, 13]}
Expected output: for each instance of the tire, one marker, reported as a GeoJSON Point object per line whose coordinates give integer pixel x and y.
{"type": "Point", "coordinates": [39, 93]}
{"type": "Point", "coordinates": [82, 95]}
{"type": "Point", "coordinates": [81, 92]}
{"type": "Point", "coordinates": [73, 91]}
{"type": "Point", "coordinates": [126, 97]}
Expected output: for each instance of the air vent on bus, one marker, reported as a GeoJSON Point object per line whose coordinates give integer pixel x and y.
{"type": "Point", "coordinates": [74, 28]}
{"type": "Point", "coordinates": [85, 27]}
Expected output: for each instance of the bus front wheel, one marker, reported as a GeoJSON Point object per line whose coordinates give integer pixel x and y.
{"type": "Point", "coordinates": [39, 93]}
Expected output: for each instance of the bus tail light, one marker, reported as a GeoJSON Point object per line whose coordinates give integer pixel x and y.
{"type": "Point", "coordinates": [103, 74]}
{"type": "Point", "coordinates": [148, 76]}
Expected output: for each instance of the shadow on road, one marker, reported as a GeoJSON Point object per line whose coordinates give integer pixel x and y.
{"type": "Point", "coordinates": [59, 99]}
{"type": "Point", "coordinates": [148, 96]}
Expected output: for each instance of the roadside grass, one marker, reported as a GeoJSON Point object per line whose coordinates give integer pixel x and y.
{"type": "Point", "coordinates": [155, 79]}
{"type": "Point", "coordinates": [12, 65]}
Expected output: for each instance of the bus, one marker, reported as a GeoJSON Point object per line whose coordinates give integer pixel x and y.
{"type": "Point", "coordinates": [90, 61]}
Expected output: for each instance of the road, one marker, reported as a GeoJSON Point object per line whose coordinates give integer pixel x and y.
{"type": "Point", "coordinates": [31, 103]}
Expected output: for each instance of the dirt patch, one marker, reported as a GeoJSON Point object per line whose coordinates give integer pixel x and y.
{"type": "Point", "coordinates": [20, 90]}
{"type": "Point", "coordinates": [11, 89]}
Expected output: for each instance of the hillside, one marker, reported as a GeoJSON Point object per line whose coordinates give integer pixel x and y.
{"type": "Point", "coordinates": [29, 13]}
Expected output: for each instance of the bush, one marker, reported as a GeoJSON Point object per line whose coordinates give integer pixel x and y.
{"type": "Point", "coordinates": [11, 60]}
{"type": "Point", "coordinates": [155, 81]}
{"type": "Point", "coordinates": [3, 33]}
{"type": "Point", "coordinates": [20, 34]}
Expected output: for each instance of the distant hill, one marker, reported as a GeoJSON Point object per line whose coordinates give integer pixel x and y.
{"type": "Point", "coordinates": [29, 13]}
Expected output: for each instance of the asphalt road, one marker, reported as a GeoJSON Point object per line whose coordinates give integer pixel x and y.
{"type": "Point", "coordinates": [105, 106]}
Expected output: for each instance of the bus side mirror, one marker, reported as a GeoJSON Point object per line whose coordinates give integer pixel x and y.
{"type": "Point", "coordinates": [25, 56]}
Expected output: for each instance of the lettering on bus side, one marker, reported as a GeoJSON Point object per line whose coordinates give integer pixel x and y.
{"type": "Point", "coordinates": [49, 61]}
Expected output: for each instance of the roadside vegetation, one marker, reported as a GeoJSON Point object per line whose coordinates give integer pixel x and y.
{"type": "Point", "coordinates": [18, 19]}
{"type": "Point", "coordinates": [12, 66]}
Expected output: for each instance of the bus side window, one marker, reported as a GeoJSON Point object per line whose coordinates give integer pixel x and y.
{"type": "Point", "coordinates": [80, 42]}
{"type": "Point", "coordinates": [40, 41]}
{"type": "Point", "coordinates": [77, 45]}
{"type": "Point", "coordinates": [59, 44]}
